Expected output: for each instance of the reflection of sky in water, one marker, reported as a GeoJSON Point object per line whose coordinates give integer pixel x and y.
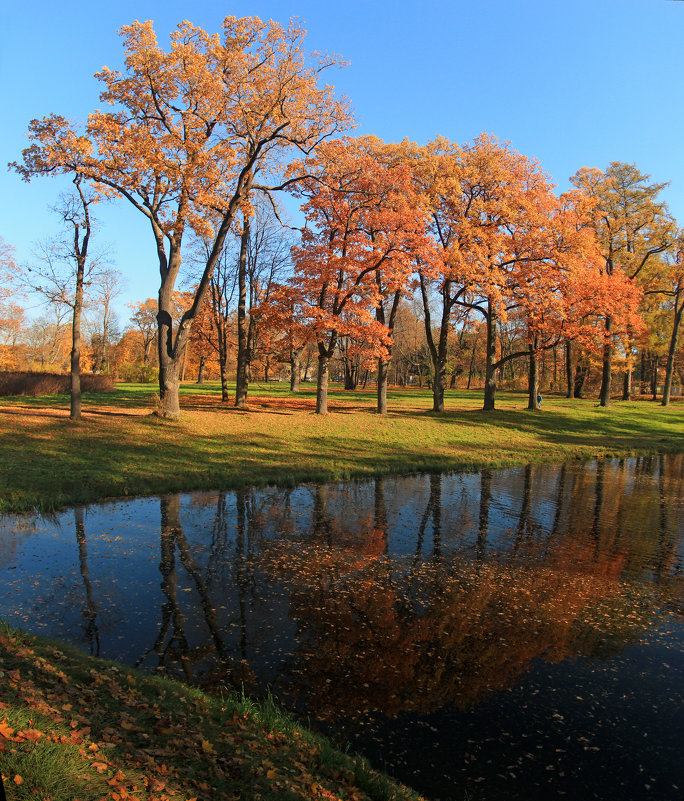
{"type": "Point", "coordinates": [269, 578]}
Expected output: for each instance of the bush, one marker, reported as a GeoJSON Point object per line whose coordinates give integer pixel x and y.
{"type": "Point", "coordinates": [28, 383]}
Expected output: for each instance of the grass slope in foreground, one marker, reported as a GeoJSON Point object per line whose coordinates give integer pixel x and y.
{"type": "Point", "coordinates": [120, 448]}
{"type": "Point", "coordinates": [75, 727]}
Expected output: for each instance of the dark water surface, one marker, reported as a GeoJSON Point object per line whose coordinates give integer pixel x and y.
{"type": "Point", "coordinates": [507, 634]}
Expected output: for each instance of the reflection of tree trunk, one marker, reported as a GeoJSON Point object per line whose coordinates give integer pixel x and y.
{"type": "Point", "coordinates": [483, 521]}
{"type": "Point", "coordinates": [321, 528]}
{"type": "Point", "coordinates": [190, 564]}
{"type": "Point", "coordinates": [436, 500]}
{"type": "Point", "coordinates": [524, 517]}
{"type": "Point", "coordinates": [90, 607]}
{"type": "Point", "coordinates": [171, 611]}
{"type": "Point", "coordinates": [242, 567]}
{"type": "Point", "coordinates": [380, 511]}
{"type": "Point", "coordinates": [560, 492]}
{"type": "Point", "coordinates": [598, 505]}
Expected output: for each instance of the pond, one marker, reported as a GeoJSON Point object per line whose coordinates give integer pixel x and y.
{"type": "Point", "coordinates": [505, 634]}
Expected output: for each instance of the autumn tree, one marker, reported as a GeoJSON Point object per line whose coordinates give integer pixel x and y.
{"type": "Point", "coordinates": [65, 268]}
{"type": "Point", "coordinates": [357, 247]}
{"type": "Point", "coordinates": [11, 313]}
{"type": "Point", "coordinates": [144, 320]}
{"type": "Point", "coordinates": [193, 132]}
{"type": "Point", "coordinates": [632, 226]}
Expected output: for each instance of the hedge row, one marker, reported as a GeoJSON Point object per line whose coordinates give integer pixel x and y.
{"type": "Point", "coordinates": [27, 383]}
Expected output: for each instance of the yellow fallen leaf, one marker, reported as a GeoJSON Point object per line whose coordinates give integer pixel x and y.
{"type": "Point", "coordinates": [18, 780]}
{"type": "Point", "coordinates": [207, 747]}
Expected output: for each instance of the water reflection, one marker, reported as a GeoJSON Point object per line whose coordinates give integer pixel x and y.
{"type": "Point", "coordinates": [378, 606]}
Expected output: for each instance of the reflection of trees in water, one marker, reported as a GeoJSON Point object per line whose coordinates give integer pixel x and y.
{"type": "Point", "coordinates": [375, 634]}
{"type": "Point", "coordinates": [89, 607]}
{"type": "Point", "coordinates": [578, 574]}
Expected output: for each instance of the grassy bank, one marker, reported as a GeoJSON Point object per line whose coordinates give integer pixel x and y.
{"type": "Point", "coordinates": [75, 727]}
{"type": "Point", "coordinates": [120, 448]}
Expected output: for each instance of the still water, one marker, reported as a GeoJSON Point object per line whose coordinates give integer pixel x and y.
{"type": "Point", "coordinates": [508, 634]}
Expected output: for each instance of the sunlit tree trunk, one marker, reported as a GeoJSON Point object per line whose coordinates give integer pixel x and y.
{"type": "Point", "coordinates": [533, 379]}
{"type": "Point", "coordinates": [322, 385]}
{"type": "Point", "coordinates": [604, 396]}
{"type": "Point", "coordinates": [242, 378]}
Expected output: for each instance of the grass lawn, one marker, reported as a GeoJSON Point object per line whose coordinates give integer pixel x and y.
{"type": "Point", "coordinates": [74, 727]}
{"type": "Point", "coordinates": [121, 448]}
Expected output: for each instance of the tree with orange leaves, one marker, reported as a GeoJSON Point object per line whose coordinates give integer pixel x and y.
{"type": "Point", "coordinates": [357, 248]}
{"type": "Point", "coordinates": [193, 132]}
{"type": "Point", "coordinates": [633, 227]}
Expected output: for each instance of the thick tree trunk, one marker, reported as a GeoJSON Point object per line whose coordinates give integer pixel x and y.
{"type": "Point", "coordinates": [533, 381]}
{"type": "Point", "coordinates": [169, 384]}
{"type": "Point", "coordinates": [627, 385]}
{"type": "Point", "coordinates": [568, 368]}
{"type": "Point", "coordinates": [242, 377]}
{"type": "Point", "coordinates": [490, 372]}
{"type": "Point", "coordinates": [604, 395]}
{"type": "Point", "coordinates": [438, 385]}
{"type": "Point", "coordinates": [322, 384]}
{"type": "Point", "coordinates": [200, 373]}
{"type": "Point", "coordinates": [669, 368]}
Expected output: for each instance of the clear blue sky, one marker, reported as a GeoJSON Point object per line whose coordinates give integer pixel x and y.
{"type": "Point", "coordinates": [573, 83]}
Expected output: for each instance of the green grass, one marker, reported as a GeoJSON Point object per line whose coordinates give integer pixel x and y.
{"type": "Point", "coordinates": [76, 727]}
{"type": "Point", "coordinates": [120, 448]}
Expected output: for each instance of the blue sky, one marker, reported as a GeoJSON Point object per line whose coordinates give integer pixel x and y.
{"type": "Point", "coordinates": [576, 83]}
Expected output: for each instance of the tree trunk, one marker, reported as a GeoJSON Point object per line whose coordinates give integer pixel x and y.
{"type": "Point", "coordinates": [568, 368]}
{"type": "Point", "coordinates": [669, 369]}
{"type": "Point", "coordinates": [242, 378]}
{"type": "Point", "coordinates": [627, 385]}
{"type": "Point", "coordinates": [490, 372]}
{"type": "Point", "coordinates": [294, 369]}
{"type": "Point", "coordinates": [533, 381]}
{"type": "Point", "coordinates": [604, 395]}
{"type": "Point", "coordinates": [322, 385]}
{"type": "Point", "coordinates": [654, 376]}
{"type": "Point", "coordinates": [382, 386]}
{"type": "Point", "coordinates": [200, 373]}
{"type": "Point", "coordinates": [75, 411]}
{"type": "Point", "coordinates": [169, 384]}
